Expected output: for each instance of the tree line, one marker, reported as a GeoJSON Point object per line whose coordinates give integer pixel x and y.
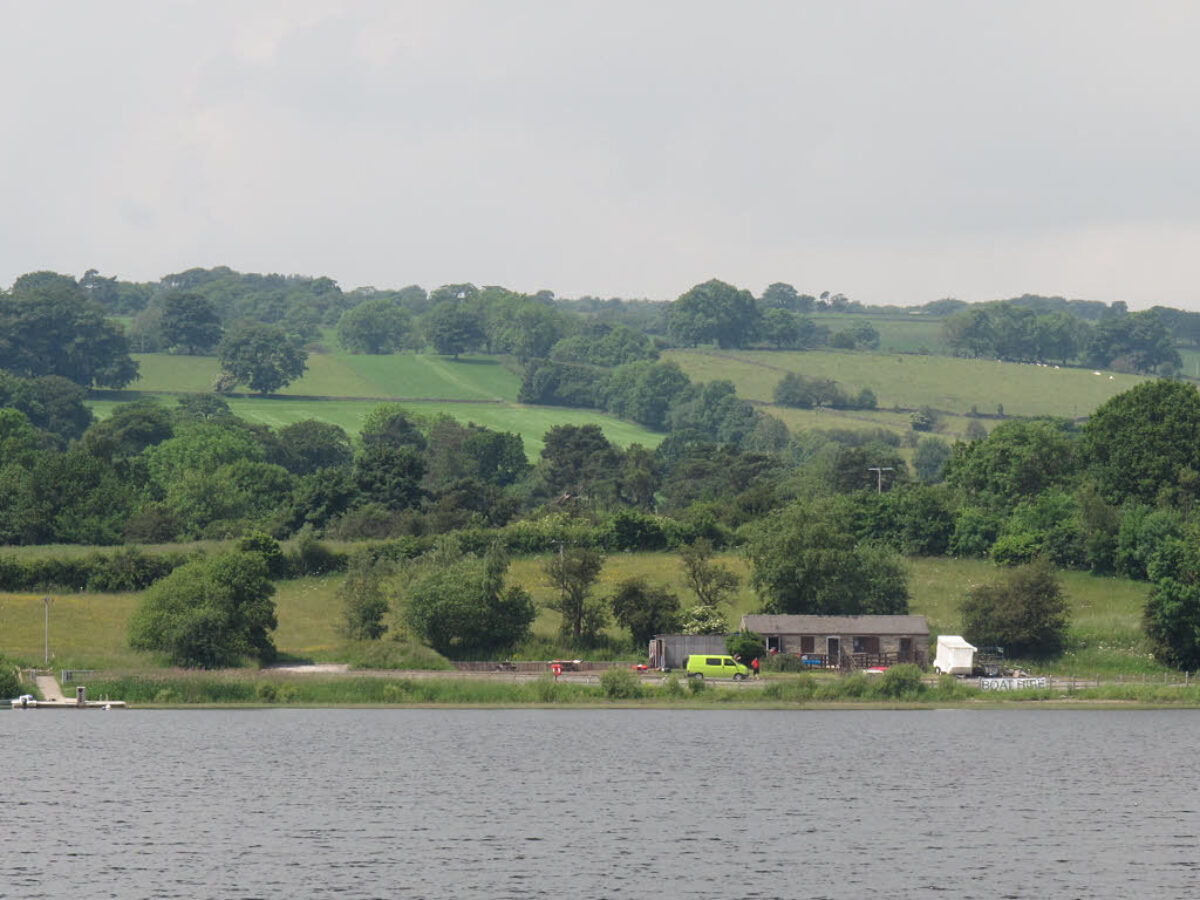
{"type": "Point", "coordinates": [810, 509]}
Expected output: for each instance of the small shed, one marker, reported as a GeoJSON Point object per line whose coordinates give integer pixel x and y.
{"type": "Point", "coordinates": [670, 651]}
{"type": "Point", "coordinates": [845, 641]}
{"type": "Point", "coordinates": [954, 655]}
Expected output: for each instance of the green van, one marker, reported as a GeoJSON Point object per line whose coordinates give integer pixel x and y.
{"type": "Point", "coordinates": [713, 665]}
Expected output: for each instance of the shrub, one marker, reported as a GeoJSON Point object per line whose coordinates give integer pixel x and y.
{"type": "Point", "coordinates": [1023, 610]}
{"type": "Point", "coordinates": [696, 686]}
{"type": "Point", "coordinates": [851, 687]}
{"type": "Point", "coordinates": [263, 544]}
{"type": "Point", "coordinates": [620, 684]}
{"type": "Point", "coordinates": [902, 682]}
{"type": "Point", "coordinates": [633, 530]}
{"type": "Point", "coordinates": [363, 598]}
{"type": "Point", "coordinates": [10, 685]}
{"type": "Point", "coordinates": [783, 662]}
{"type": "Point", "coordinates": [546, 689]}
{"type": "Point", "coordinates": [127, 569]}
{"type": "Point", "coordinates": [746, 645]}
{"type": "Point", "coordinates": [209, 613]}
{"type": "Point", "coordinates": [310, 557]}
{"type": "Point", "coordinates": [276, 692]}
{"type": "Point", "coordinates": [796, 690]}
{"type": "Point", "coordinates": [924, 419]}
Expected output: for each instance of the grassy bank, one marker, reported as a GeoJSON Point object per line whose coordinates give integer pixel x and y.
{"type": "Point", "coordinates": [803, 691]}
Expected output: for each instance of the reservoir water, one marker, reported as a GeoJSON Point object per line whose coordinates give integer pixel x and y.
{"type": "Point", "coordinates": [600, 804]}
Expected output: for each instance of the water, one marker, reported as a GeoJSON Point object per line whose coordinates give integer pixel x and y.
{"type": "Point", "coordinates": [598, 804]}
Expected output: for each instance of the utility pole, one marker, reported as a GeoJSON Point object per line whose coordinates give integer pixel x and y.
{"type": "Point", "coordinates": [46, 659]}
{"type": "Point", "coordinates": [879, 470]}
{"type": "Point", "coordinates": [562, 574]}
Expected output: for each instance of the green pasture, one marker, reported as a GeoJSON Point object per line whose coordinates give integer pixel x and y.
{"type": "Point", "coordinates": [426, 376]}
{"type": "Point", "coordinates": [342, 388]}
{"type": "Point", "coordinates": [88, 630]}
{"type": "Point", "coordinates": [392, 376]}
{"type": "Point", "coordinates": [165, 372]}
{"type": "Point", "coordinates": [945, 383]}
{"type": "Point", "coordinates": [898, 332]}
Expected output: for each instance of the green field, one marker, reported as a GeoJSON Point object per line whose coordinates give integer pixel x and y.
{"type": "Point", "coordinates": [394, 376]}
{"type": "Point", "coordinates": [88, 630]}
{"type": "Point", "coordinates": [898, 332]}
{"type": "Point", "coordinates": [342, 388]}
{"type": "Point", "coordinates": [949, 385]}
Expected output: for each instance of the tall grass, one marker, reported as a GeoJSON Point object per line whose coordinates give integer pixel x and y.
{"type": "Point", "coordinates": [900, 686]}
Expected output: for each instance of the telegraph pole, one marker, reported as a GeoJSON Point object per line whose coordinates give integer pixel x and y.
{"type": "Point", "coordinates": [879, 470]}
{"type": "Point", "coordinates": [46, 659]}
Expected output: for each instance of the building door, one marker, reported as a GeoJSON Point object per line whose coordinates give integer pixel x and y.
{"type": "Point", "coordinates": [657, 660]}
{"type": "Point", "coordinates": [906, 650]}
{"type": "Point", "coordinates": [833, 650]}
{"type": "Point", "coordinates": [773, 643]}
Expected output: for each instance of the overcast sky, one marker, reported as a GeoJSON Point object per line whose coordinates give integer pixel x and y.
{"type": "Point", "coordinates": [897, 152]}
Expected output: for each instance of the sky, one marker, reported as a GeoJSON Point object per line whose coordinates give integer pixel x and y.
{"type": "Point", "coordinates": [897, 152]}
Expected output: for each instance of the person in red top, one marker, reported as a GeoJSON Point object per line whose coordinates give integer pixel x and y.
{"type": "Point", "coordinates": [754, 666]}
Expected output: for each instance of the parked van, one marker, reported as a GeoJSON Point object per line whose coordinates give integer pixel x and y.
{"type": "Point", "coordinates": [711, 665]}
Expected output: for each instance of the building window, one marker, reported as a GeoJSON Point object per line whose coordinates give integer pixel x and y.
{"type": "Point", "coordinates": [808, 644]}
{"type": "Point", "coordinates": [865, 644]}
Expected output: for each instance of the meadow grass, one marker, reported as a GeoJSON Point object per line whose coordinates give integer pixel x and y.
{"type": "Point", "coordinates": [898, 332]}
{"type": "Point", "coordinates": [429, 376]}
{"type": "Point", "coordinates": [397, 375]}
{"type": "Point", "coordinates": [166, 372]}
{"type": "Point", "coordinates": [942, 382]}
{"type": "Point", "coordinates": [87, 631]}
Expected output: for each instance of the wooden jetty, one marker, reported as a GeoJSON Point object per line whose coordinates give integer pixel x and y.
{"type": "Point", "coordinates": [55, 699]}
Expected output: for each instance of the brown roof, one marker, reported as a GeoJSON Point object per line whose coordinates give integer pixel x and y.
{"type": "Point", "coordinates": [836, 624]}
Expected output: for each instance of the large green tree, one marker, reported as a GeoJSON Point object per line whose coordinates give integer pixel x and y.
{"type": "Point", "coordinates": [1016, 462]}
{"type": "Point", "coordinates": [376, 326]}
{"type": "Point", "coordinates": [313, 445]}
{"type": "Point", "coordinates": [52, 403]}
{"type": "Point", "coordinates": [260, 356]}
{"type": "Point", "coordinates": [714, 311]}
{"type": "Point", "coordinates": [644, 609]}
{"type": "Point", "coordinates": [209, 613]}
{"type": "Point", "coordinates": [1138, 342]}
{"type": "Point", "coordinates": [190, 323]}
{"type": "Point", "coordinates": [645, 391]}
{"type": "Point", "coordinates": [390, 476]}
{"type": "Point", "coordinates": [806, 559]}
{"type": "Point", "coordinates": [48, 326]}
{"type": "Point", "coordinates": [1172, 612]}
{"type": "Point", "coordinates": [571, 573]}
{"type": "Point", "coordinates": [364, 597]}
{"type": "Point", "coordinates": [452, 328]}
{"type": "Point", "coordinates": [1145, 442]}
{"type": "Point", "coordinates": [465, 609]}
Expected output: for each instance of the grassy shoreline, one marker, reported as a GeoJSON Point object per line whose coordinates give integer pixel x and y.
{"type": "Point", "coordinates": [261, 689]}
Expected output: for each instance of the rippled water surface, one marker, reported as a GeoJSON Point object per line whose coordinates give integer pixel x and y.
{"type": "Point", "coordinates": [594, 804]}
